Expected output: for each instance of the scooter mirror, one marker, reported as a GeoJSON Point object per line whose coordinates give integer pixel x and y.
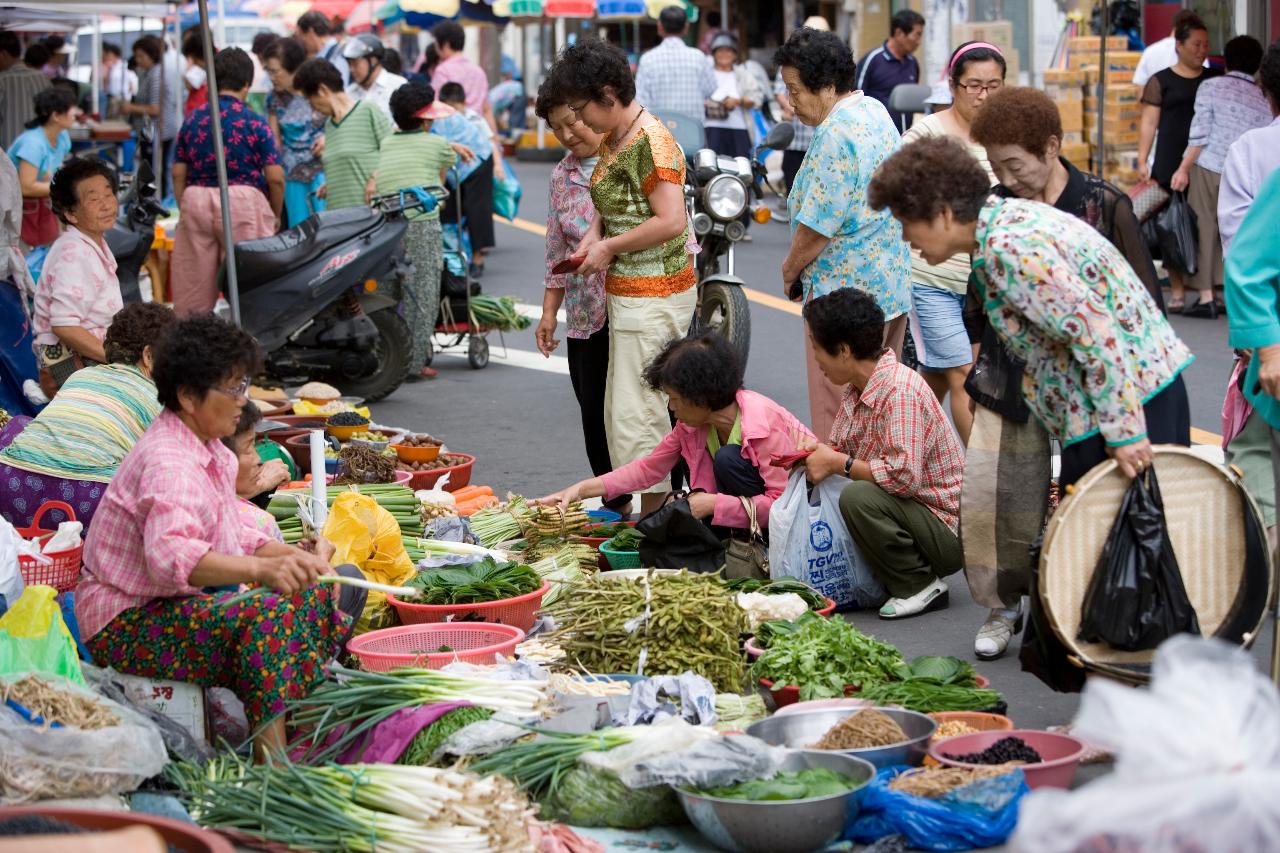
{"type": "Point", "coordinates": [779, 136]}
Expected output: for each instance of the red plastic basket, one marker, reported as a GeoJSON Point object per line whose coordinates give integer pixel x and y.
{"type": "Point", "coordinates": [468, 642]}
{"type": "Point", "coordinates": [519, 612]}
{"type": "Point", "coordinates": [64, 572]}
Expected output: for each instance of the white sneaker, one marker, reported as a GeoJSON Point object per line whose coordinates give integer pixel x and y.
{"type": "Point", "coordinates": [932, 597]}
{"type": "Point", "coordinates": [996, 633]}
{"type": "Point", "coordinates": [31, 390]}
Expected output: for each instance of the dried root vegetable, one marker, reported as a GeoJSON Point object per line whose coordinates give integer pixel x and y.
{"type": "Point", "coordinates": [865, 729]}
{"type": "Point", "coordinates": [45, 700]}
{"type": "Point", "coordinates": [933, 782]}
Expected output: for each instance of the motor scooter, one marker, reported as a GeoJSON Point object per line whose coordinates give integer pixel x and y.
{"type": "Point", "coordinates": [131, 237]}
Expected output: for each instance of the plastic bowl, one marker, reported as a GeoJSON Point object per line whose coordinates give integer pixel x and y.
{"type": "Point", "coordinates": [1061, 754]}
{"type": "Point", "coordinates": [468, 642]}
{"type": "Point", "coordinates": [416, 454]}
{"type": "Point", "coordinates": [519, 612]}
{"type": "Point", "coordinates": [344, 433]}
{"type": "Point", "coordinates": [620, 559]}
{"type": "Point", "coordinates": [177, 834]}
{"type": "Point", "coordinates": [459, 475]}
{"type": "Point", "coordinates": [980, 720]}
{"type": "Point", "coordinates": [800, 730]}
{"type": "Point", "coordinates": [603, 516]}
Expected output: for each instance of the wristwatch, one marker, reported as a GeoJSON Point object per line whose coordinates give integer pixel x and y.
{"type": "Point", "coordinates": [848, 466]}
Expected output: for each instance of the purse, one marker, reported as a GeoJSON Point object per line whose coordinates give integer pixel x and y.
{"type": "Point", "coordinates": [39, 223]}
{"type": "Point", "coordinates": [674, 539]}
{"type": "Point", "coordinates": [1148, 198]}
{"type": "Point", "coordinates": [747, 558]}
{"type": "Point", "coordinates": [715, 110]}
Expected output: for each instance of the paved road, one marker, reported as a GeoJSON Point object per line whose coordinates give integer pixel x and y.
{"type": "Point", "coordinates": [519, 417]}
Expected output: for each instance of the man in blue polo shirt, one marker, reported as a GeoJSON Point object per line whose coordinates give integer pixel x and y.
{"type": "Point", "coordinates": [893, 63]}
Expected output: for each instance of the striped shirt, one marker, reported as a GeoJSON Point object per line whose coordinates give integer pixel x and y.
{"type": "Point", "coordinates": [1226, 108]}
{"type": "Point", "coordinates": [413, 158]}
{"type": "Point", "coordinates": [19, 86]}
{"type": "Point", "coordinates": [351, 153]}
{"type": "Point", "coordinates": [95, 419]}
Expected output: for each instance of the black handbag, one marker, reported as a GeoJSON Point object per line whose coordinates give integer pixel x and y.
{"type": "Point", "coordinates": [674, 539]}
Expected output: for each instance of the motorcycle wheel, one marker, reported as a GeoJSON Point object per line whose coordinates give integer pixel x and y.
{"type": "Point", "coordinates": [392, 353]}
{"type": "Point", "coordinates": [724, 310]}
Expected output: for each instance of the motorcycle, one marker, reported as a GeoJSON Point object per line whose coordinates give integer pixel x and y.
{"type": "Point", "coordinates": [131, 237]}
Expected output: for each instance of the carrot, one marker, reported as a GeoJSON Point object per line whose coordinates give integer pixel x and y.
{"type": "Point", "coordinates": [473, 506]}
{"type": "Point", "coordinates": [471, 493]}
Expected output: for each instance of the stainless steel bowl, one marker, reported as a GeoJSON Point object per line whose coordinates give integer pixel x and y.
{"type": "Point", "coordinates": [781, 826]}
{"type": "Point", "coordinates": [800, 730]}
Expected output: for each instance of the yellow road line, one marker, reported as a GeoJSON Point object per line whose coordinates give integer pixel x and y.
{"type": "Point", "coordinates": [1201, 436]}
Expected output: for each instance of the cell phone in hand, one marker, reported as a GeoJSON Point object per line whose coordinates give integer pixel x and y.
{"type": "Point", "coordinates": [568, 265]}
{"type": "Point", "coordinates": [796, 293]}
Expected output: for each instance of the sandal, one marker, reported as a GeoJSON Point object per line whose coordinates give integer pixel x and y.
{"type": "Point", "coordinates": [1175, 305]}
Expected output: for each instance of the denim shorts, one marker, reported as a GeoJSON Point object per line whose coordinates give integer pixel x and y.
{"type": "Point", "coordinates": [937, 324]}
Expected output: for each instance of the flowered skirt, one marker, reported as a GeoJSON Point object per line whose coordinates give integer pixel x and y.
{"type": "Point", "coordinates": [266, 650]}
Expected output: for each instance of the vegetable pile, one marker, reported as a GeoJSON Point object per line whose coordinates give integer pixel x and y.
{"type": "Point", "coordinates": [781, 586]}
{"type": "Point", "coordinates": [49, 704]}
{"type": "Point", "coordinates": [823, 656]}
{"type": "Point", "coordinates": [498, 312]}
{"type": "Point", "coordinates": [934, 782]}
{"type": "Point", "coordinates": [444, 460]}
{"type": "Point", "coordinates": [486, 580]}
{"type": "Point", "coordinates": [661, 624]}
{"type": "Point", "coordinates": [394, 498]}
{"type": "Point", "coordinates": [361, 463]}
{"type": "Point", "coordinates": [347, 419]}
{"type": "Point", "coordinates": [626, 540]}
{"type": "Point", "coordinates": [866, 729]}
{"type": "Point", "coordinates": [800, 785]}
{"type": "Point", "coordinates": [422, 749]}
{"type": "Point", "coordinates": [1004, 751]}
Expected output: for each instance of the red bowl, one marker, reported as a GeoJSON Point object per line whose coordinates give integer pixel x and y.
{"type": "Point", "coordinates": [459, 475]}
{"type": "Point", "coordinates": [1061, 754]}
{"type": "Point", "coordinates": [179, 835]}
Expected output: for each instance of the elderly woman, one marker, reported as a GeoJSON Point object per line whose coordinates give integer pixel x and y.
{"type": "Point", "coordinates": [38, 153]}
{"type": "Point", "coordinates": [639, 235]}
{"type": "Point", "coordinates": [78, 292]}
{"type": "Point", "coordinates": [352, 136]}
{"type": "Point", "coordinates": [169, 526]}
{"type": "Point", "coordinates": [1007, 465]}
{"type": "Point", "coordinates": [71, 450]}
{"type": "Point", "coordinates": [298, 129]}
{"type": "Point", "coordinates": [837, 240]}
{"type": "Point", "coordinates": [1103, 365]}
{"type": "Point", "coordinates": [727, 437]}
{"type": "Point", "coordinates": [938, 292]}
{"type": "Point", "coordinates": [729, 121]}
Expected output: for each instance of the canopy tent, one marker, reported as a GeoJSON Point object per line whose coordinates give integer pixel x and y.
{"type": "Point", "coordinates": [422, 14]}
{"type": "Point", "coordinates": [616, 10]}
{"type": "Point", "coordinates": [189, 13]}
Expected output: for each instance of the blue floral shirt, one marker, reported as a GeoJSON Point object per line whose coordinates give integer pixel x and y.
{"type": "Point", "coordinates": [830, 196]}
{"type": "Point", "coordinates": [456, 128]}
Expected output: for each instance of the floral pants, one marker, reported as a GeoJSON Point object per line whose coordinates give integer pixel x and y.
{"type": "Point", "coordinates": [267, 650]}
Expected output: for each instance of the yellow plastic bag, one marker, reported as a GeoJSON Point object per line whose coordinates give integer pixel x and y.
{"type": "Point", "coordinates": [33, 637]}
{"type": "Point", "coordinates": [366, 535]}
{"type": "Point", "coordinates": [302, 407]}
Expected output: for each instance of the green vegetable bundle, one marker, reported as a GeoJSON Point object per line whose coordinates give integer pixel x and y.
{"type": "Point", "coordinates": [593, 796]}
{"type": "Point", "coordinates": [393, 497]}
{"type": "Point", "coordinates": [693, 623]}
{"type": "Point", "coordinates": [782, 586]}
{"type": "Point", "coordinates": [927, 696]}
{"type": "Point", "coordinates": [800, 785]}
{"type": "Point", "coordinates": [498, 312]}
{"type": "Point", "coordinates": [823, 656]}
{"type": "Point", "coordinates": [485, 580]}
{"type": "Point", "coordinates": [626, 540]}
{"type": "Point", "coordinates": [538, 766]}
{"type": "Point", "coordinates": [420, 750]}
{"type": "Point", "coordinates": [943, 670]}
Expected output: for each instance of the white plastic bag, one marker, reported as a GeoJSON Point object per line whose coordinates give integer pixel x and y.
{"type": "Point", "coordinates": [11, 545]}
{"type": "Point", "coordinates": [810, 542]}
{"type": "Point", "coordinates": [1197, 762]}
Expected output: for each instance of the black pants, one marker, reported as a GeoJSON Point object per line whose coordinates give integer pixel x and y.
{"type": "Point", "coordinates": [477, 206]}
{"type": "Point", "coordinates": [588, 370]}
{"type": "Point", "coordinates": [729, 142]}
{"type": "Point", "coordinates": [791, 161]}
{"type": "Point", "coordinates": [164, 180]}
{"type": "Point", "coordinates": [735, 475]}
{"type": "Point", "coordinates": [1168, 422]}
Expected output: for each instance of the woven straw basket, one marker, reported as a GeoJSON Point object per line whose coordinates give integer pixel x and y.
{"type": "Point", "coordinates": [1217, 534]}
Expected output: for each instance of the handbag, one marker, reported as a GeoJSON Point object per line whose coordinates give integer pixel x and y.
{"type": "Point", "coordinates": [39, 223]}
{"type": "Point", "coordinates": [747, 558]}
{"type": "Point", "coordinates": [715, 109]}
{"type": "Point", "coordinates": [1148, 198]}
{"type": "Point", "coordinates": [674, 539]}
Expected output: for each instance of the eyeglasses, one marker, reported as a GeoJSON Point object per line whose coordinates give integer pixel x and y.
{"type": "Point", "coordinates": [577, 111]}
{"type": "Point", "coordinates": [241, 390]}
{"type": "Point", "coordinates": [974, 87]}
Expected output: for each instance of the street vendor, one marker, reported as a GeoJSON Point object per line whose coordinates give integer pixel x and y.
{"type": "Point", "coordinates": [169, 526]}
{"type": "Point", "coordinates": [71, 450]}
{"type": "Point", "coordinates": [726, 435]}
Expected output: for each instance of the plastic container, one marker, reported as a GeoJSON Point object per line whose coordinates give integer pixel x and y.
{"type": "Point", "coordinates": [344, 433]}
{"type": "Point", "coordinates": [178, 835]}
{"type": "Point", "coordinates": [620, 559]}
{"type": "Point", "coordinates": [603, 516]}
{"type": "Point", "coordinates": [980, 720]}
{"type": "Point", "coordinates": [416, 454]}
{"type": "Point", "coordinates": [1061, 754]}
{"type": "Point", "coordinates": [459, 475]}
{"type": "Point", "coordinates": [519, 612]}
{"type": "Point", "coordinates": [64, 572]}
{"type": "Point", "coordinates": [468, 642]}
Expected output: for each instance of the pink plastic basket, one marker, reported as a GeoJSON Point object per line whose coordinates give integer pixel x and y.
{"type": "Point", "coordinates": [411, 645]}
{"type": "Point", "coordinates": [520, 612]}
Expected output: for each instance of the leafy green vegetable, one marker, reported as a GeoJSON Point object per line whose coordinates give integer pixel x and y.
{"type": "Point", "coordinates": [486, 580]}
{"type": "Point", "coordinates": [428, 740]}
{"type": "Point", "coordinates": [626, 540]}
{"type": "Point", "coordinates": [822, 656]}
{"type": "Point", "coordinates": [800, 785]}
{"type": "Point", "coordinates": [782, 586]}
{"type": "Point", "coordinates": [769, 631]}
{"type": "Point", "coordinates": [608, 531]}
{"type": "Point", "coordinates": [927, 696]}
{"type": "Point", "coordinates": [943, 670]}
{"type": "Point", "coordinates": [593, 796]}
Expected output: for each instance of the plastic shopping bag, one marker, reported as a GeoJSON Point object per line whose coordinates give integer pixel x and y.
{"type": "Point", "coordinates": [1136, 599]}
{"type": "Point", "coordinates": [33, 637]}
{"type": "Point", "coordinates": [808, 541]}
{"type": "Point", "coordinates": [1176, 231]}
{"type": "Point", "coordinates": [506, 192]}
{"type": "Point", "coordinates": [1197, 761]}
{"type": "Point", "coordinates": [366, 535]}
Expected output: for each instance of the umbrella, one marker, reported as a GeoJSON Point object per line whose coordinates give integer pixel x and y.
{"type": "Point", "coordinates": [570, 8]}
{"type": "Point", "coordinates": [480, 12]}
{"type": "Point", "coordinates": [655, 8]}
{"type": "Point", "coordinates": [619, 9]}
{"type": "Point", "coordinates": [527, 9]}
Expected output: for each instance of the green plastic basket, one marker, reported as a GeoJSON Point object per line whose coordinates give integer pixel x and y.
{"type": "Point", "coordinates": [620, 559]}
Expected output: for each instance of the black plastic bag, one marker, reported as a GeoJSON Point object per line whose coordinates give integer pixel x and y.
{"type": "Point", "coordinates": [1176, 231]}
{"type": "Point", "coordinates": [1136, 599]}
{"type": "Point", "coordinates": [674, 539]}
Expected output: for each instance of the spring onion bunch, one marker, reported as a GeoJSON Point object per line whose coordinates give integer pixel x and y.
{"type": "Point", "coordinates": [537, 766]}
{"type": "Point", "coordinates": [387, 808]}
{"type": "Point", "coordinates": [395, 498]}
{"type": "Point", "coordinates": [501, 523]}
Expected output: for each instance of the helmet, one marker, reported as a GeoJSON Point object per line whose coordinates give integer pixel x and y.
{"type": "Point", "coordinates": [724, 40]}
{"type": "Point", "coordinates": [363, 46]}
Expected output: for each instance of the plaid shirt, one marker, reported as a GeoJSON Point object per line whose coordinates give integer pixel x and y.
{"type": "Point", "coordinates": [898, 428]}
{"type": "Point", "coordinates": [675, 78]}
{"type": "Point", "coordinates": [172, 501]}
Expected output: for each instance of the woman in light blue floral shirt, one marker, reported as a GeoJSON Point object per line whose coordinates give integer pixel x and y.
{"type": "Point", "coordinates": [837, 240]}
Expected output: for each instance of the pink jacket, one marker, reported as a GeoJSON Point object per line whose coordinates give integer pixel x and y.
{"type": "Point", "coordinates": [767, 430]}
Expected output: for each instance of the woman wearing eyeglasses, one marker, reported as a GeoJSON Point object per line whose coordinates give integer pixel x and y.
{"type": "Point", "coordinates": [170, 526]}
{"type": "Point", "coordinates": [937, 291]}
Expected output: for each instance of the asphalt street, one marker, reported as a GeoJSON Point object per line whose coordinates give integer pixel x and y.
{"type": "Point", "coordinates": [519, 417]}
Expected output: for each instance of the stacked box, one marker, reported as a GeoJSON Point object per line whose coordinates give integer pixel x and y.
{"type": "Point", "coordinates": [999, 33]}
{"type": "Point", "coordinates": [1062, 84]}
{"type": "Point", "coordinates": [1077, 153]}
{"type": "Point", "coordinates": [1086, 51]}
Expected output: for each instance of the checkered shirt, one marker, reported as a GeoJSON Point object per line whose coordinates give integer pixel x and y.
{"type": "Point", "coordinates": [675, 78]}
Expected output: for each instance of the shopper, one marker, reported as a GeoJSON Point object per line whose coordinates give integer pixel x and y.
{"type": "Point", "coordinates": [317, 35]}
{"type": "Point", "coordinates": [728, 118]}
{"type": "Point", "coordinates": [837, 240]}
{"type": "Point", "coordinates": [1168, 106]}
{"type": "Point", "coordinates": [370, 81]}
{"type": "Point", "coordinates": [474, 142]}
{"type": "Point", "coordinates": [119, 84]}
{"type": "Point", "coordinates": [674, 78]}
{"type": "Point", "coordinates": [1104, 366]}
{"type": "Point", "coordinates": [299, 131]}
{"type": "Point", "coordinates": [156, 112]}
{"type": "Point", "coordinates": [639, 235]}
{"type": "Point", "coordinates": [1225, 109]}
{"type": "Point", "coordinates": [454, 67]}
{"type": "Point", "coordinates": [793, 156]}
{"type": "Point", "coordinates": [19, 85]}
{"type": "Point", "coordinates": [352, 136]}
{"type": "Point", "coordinates": [892, 439]}
{"type": "Point", "coordinates": [255, 185]}
{"type": "Point", "coordinates": [1252, 157]}
{"type": "Point", "coordinates": [38, 153]}
{"type": "Point", "coordinates": [893, 63]}
{"type": "Point", "coordinates": [1163, 53]}
{"type": "Point", "coordinates": [938, 292]}
{"type": "Point", "coordinates": [195, 78]}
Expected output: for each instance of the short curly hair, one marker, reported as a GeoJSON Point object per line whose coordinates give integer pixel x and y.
{"type": "Point", "coordinates": [549, 97]}
{"type": "Point", "coordinates": [1018, 115]}
{"type": "Point", "coordinates": [200, 353]}
{"type": "Point", "coordinates": [64, 189]}
{"type": "Point", "coordinates": [134, 328]}
{"type": "Point", "coordinates": [49, 103]}
{"type": "Point", "coordinates": [1269, 75]}
{"type": "Point", "coordinates": [409, 100]}
{"type": "Point", "coordinates": [704, 369]}
{"type": "Point", "coordinates": [846, 316]}
{"type": "Point", "coordinates": [313, 74]}
{"type": "Point", "coordinates": [289, 52]}
{"type": "Point", "coordinates": [1243, 53]}
{"type": "Point", "coordinates": [821, 59]}
{"type": "Point", "coordinates": [927, 176]}
{"type": "Point", "coordinates": [586, 68]}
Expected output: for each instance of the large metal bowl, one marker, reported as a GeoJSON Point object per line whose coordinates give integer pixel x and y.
{"type": "Point", "coordinates": [780, 826]}
{"type": "Point", "coordinates": [802, 729]}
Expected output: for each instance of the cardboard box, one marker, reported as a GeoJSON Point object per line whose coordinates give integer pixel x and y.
{"type": "Point", "coordinates": [1064, 93]}
{"type": "Point", "coordinates": [1113, 128]}
{"type": "Point", "coordinates": [1115, 77]}
{"type": "Point", "coordinates": [1072, 114]}
{"type": "Point", "coordinates": [1076, 152]}
{"type": "Point", "coordinates": [1073, 137]}
{"type": "Point", "coordinates": [1093, 44]}
{"type": "Point", "coordinates": [179, 701]}
{"type": "Point", "coordinates": [999, 33]}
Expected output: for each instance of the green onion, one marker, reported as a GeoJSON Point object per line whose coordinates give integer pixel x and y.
{"type": "Point", "coordinates": [537, 766]}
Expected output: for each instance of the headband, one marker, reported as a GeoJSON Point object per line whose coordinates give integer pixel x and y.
{"type": "Point", "coordinates": [972, 47]}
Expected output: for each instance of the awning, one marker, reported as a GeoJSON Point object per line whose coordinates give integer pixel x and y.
{"type": "Point", "coordinates": [620, 9]}
{"type": "Point", "coordinates": [570, 8]}
{"type": "Point", "coordinates": [655, 8]}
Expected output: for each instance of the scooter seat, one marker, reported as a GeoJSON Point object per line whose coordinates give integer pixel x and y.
{"type": "Point", "coordinates": [258, 261]}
